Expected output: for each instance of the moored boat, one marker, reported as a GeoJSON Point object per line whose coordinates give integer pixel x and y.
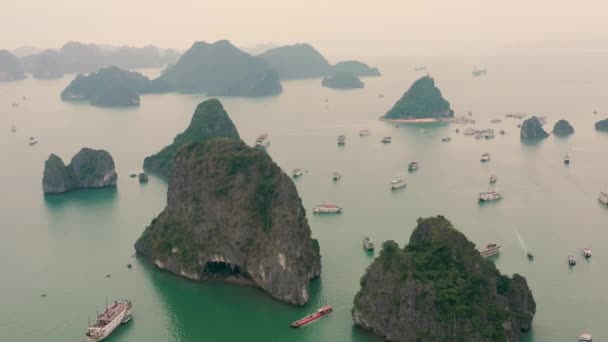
{"type": "Point", "coordinates": [495, 121]}
{"type": "Point", "coordinates": [13, 129]}
{"type": "Point", "coordinates": [327, 209]}
{"type": "Point", "coordinates": [485, 157]}
{"type": "Point", "coordinates": [386, 140]}
{"type": "Point", "coordinates": [336, 177]}
{"type": "Point", "coordinates": [567, 159]}
{"type": "Point", "coordinates": [502, 132]}
{"type": "Point", "coordinates": [479, 72]}
{"type": "Point", "coordinates": [364, 132]}
{"type": "Point", "coordinates": [489, 250]}
{"type": "Point", "coordinates": [297, 173]}
{"type": "Point", "coordinates": [584, 337]}
{"type": "Point", "coordinates": [493, 179]}
{"type": "Point", "coordinates": [368, 244]}
{"type": "Point", "coordinates": [603, 197]}
{"type": "Point", "coordinates": [341, 140]}
{"type": "Point", "coordinates": [116, 313]}
{"type": "Point", "coordinates": [412, 166]}
{"type": "Point", "coordinates": [33, 141]}
{"type": "Point", "coordinates": [571, 260]}
{"type": "Point", "coordinates": [489, 196]}
{"type": "Point", "coordinates": [470, 131]}
{"type": "Point", "coordinates": [143, 177]}
{"type": "Point", "coordinates": [262, 141]}
{"type": "Point", "coordinates": [397, 184]}
{"type": "Point", "coordinates": [587, 252]}
{"type": "Point", "coordinates": [312, 317]}
{"type": "Point", "coordinates": [446, 139]}
{"type": "Point", "coordinates": [530, 255]}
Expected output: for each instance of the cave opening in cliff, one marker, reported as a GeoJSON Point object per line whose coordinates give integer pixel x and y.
{"type": "Point", "coordinates": [218, 269]}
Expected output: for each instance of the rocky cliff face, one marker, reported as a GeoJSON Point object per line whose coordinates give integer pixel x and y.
{"type": "Point", "coordinates": [232, 213]}
{"type": "Point", "coordinates": [210, 120]}
{"type": "Point", "coordinates": [563, 128]}
{"type": "Point", "coordinates": [532, 128]}
{"type": "Point", "coordinates": [439, 288]}
{"type": "Point", "coordinates": [342, 80]}
{"type": "Point", "coordinates": [422, 100]}
{"type": "Point", "coordinates": [10, 67]}
{"type": "Point", "coordinates": [88, 169]}
{"type": "Point", "coordinates": [602, 125]}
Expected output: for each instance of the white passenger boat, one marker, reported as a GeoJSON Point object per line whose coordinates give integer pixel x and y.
{"type": "Point", "coordinates": [364, 132]}
{"type": "Point", "coordinates": [262, 141]}
{"type": "Point", "coordinates": [368, 244]}
{"type": "Point", "coordinates": [413, 166]}
{"type": "Point", "coordinates": [398, 184]}
{"type": "Point", "coordinates": [489, 250]}
{"type": "Point", "coordinates": [603, 197]}
{"type": "Point", "coordinates": [387, 140]}
{"type": "Point", "coordinates": [489, 196]}
{"type": "Point", "coordinates": [567, 159]}
{"type": "Point", "coordinates": [327, 209]}
{"type": "Point", "coordinates": [486, 157]}
{"type": "Point", "coordinates": [114, 314]}
{"type": "Point", "coordinates": [336, 177]}
{"type": "Point", "coordinates": [446, 139]}
{"type": "Point", "coordinates": [571, 260]}
{"type": "Point", "coordinates": [297, 173]}
{"type": "Point", "coordinates": [587, 252]}
{"type": "Point", "coordinates": [33, 141]}
{"type": "Point", "coordinates": [585, 338]}
{"type": "Point", "coordinates": [341, 140]}
{"type": "Point", "coordinates": [493, 179]}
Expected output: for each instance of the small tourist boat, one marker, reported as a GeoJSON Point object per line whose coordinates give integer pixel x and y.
{"type": "Point", "coordinates": [495, 121]}
{"type": "Point", "coordinates": [446, 139]}
{"type": "Point", "coordinates": [489, 196]}
{"type": "Point", "coordinates": [485, 157]}
{"type": "Point", "coordinates": [297, 173]}
{"type": "Point", "coordinates": [327, 209]}
{"type": "Point", "coordinates": [567, 159]}
{"type": "Point", "coordinates": [413, 166]}
{"type": "Point", "coordinates": [489, 250]}
{"type": "Point", "coordinates": [364, 132]}
{"type": "Point", "coordinates": [489, 135]}
{"type": "Point", "coordinates": [386, 140]}
{"type": "Point", "coordinates": [341, 140]}
{"type": "Point", "coordinates": [129, 266]}
{"type": "Point", "coordinates": [502, 132]}
{"type": "Point", "coordinates": [13, 129]}
{"type": "Point", "coordinates": [398, 184]}
{"type": "Point", "coordinates": [530, 256]}
{"type": "Point", "coordinates": [587, 252]}
{"type": "Point", "coordinates": [368, 244]}
{"type": "Point", "coordinates": [336, 177]}
{"type": "Point", "coordinates": [262, 141]}
{"type": "Point", "coordinates": [143, 177]}
{"type": "Point", "coordinates": [312, 317]}
{"type": "Point", "coordinates": [33, 141]}
{"type": "Point", "coordinates": [571, 260]}
{"type": "Point", "coordinates": [493, 179]}
{"type": "Point", "coordinates": [115, 314]}
{"type": "Point", "coordinates": [479, 72]}
{"type": "Point", "coordinates": [584, 337]}
{"type": "Point", "coordinates": [603, 197]}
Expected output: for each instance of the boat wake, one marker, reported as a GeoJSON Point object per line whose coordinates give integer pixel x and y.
{"type": "Point", "coordinates": [521, 241]}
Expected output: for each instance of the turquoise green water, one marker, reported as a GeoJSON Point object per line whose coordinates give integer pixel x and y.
{"type": "Point", "coordinates": [65, 245]}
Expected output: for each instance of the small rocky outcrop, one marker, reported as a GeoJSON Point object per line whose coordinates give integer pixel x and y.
{"type": "Point", "coordinates": [233, 214]}
{"type": "Point", "coordinates": [210, 120]}
{"type": "Point", "coordinates": [563, 128]}
{"type": "Point", "coordinates": [602, 125]}
{"type": "Point", "coordinates": [360, 69]}
{"type": "Point", "coordinates": [439, 288]}
{"type": "Point", "coordinates": [10, 67]}
{"type": "Point", "coordinates": [88, 169]}
{"type": "Point", "coordinates": [532, 128]}
{"type": "Point", "coordinates": [342, 80]}
{"type": "Point", "coordinates": [422, 100]}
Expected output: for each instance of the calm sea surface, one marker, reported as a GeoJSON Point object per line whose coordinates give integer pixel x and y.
{"type": "Point", "coordinates": [65, 245]}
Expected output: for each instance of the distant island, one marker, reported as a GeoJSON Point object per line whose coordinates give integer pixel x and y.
{"type": "Point", "coordinates": [602, 125]}
{"type": "Point", "coordinates": [342, 80]}
{"type": "Point", "coordinates": [301, 61]}
{"type": "Point", "coordinates": [111, 87]}
{"type": "Point", "coordinates": [210, 120]}
{"type": "Point", "coordinates": [422, 102]}
{"type": "Point", "coordinates": [221, 69]}
{"type": "Point", "coordinates": [88, 169]}
{"type": "Point", "coordinates": [563, 128]}
{"type": "Point", "coordinates": [439, 288]}
{"type": "Point", "coordinates": [233, 214]}
{"type": "Point", "coordinates": [76, 57]}
{"type": "Point", "coordinates": [10, 67]}
{"type": "Point", "coordinates": [532, 128]}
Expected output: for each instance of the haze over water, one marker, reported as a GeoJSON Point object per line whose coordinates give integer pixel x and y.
{"type": "Point", "coordinates": [65, 245]}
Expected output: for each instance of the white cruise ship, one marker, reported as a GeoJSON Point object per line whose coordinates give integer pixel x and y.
{"type": "Point", "coordinates": [262, 141]}
{"type": "Point", "coordinates": [368, 244]}
{"type": "Point", "coordinates": [327, 209]}
{"type": "Point", "coordinates": [489, 250]}
{"type": "Point", "coordinates": [489, 196]}
{"type": "Point", "coordinates": [398, 184]}
{"type": "Point", "coordinates": [603, 197]}
{"type": "Point", "coordinates": [114, 314]}
{"type": "Point", "coordinates": [485, 157]}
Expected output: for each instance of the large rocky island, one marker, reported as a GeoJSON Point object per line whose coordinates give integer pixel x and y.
{"type": "Point", "coordinates": [439, 288]}
{"type": "Point", "coordinates": [342, 80]}
{"type": "Point", "coordinates": [111, 87]}
{"type": "Point", "coordinates": [602, 125]}
{"type": "Point", "coordinates": [422, 101]}
{"type": "Point", "coordinates": [532, 128]}
{"type": "Point", "coordinates": [233, 214]}
{"type": "Point", "coordinates": [10, 67]}
{"type": "Point", "coordinates": [88, 169]}
{"type": "Point", "coordinates": [221, 69]}
{"type": "Point", "coordinates": [563, 128]}
{"type": "Point", "coordinates": [210, 120]}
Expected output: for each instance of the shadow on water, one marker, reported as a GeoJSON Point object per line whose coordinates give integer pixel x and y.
{"type": "Point", "coordinates": [82, 197]}
{"type": "Point", "coordinates": [531, 143]}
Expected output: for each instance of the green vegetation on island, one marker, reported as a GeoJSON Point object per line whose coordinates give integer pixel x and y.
{"type": "Point", "coordinates": [439, 288]}
{"type": "Point", "coordinates": [342, 80]}
{"type": "Point", "coordinates": [233, 214]}
{"type": "Point", "coordinates": [532, 128]}
{"type": "Point", "coordinates": [210, 120]}
{"type": "Point", "coordinates": [423, 100]}
{"type": "Point", "coordinates": [563, 128]}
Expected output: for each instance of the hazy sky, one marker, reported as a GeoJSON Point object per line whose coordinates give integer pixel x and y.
{"type": "Point", "coordinates": [331, 25]}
